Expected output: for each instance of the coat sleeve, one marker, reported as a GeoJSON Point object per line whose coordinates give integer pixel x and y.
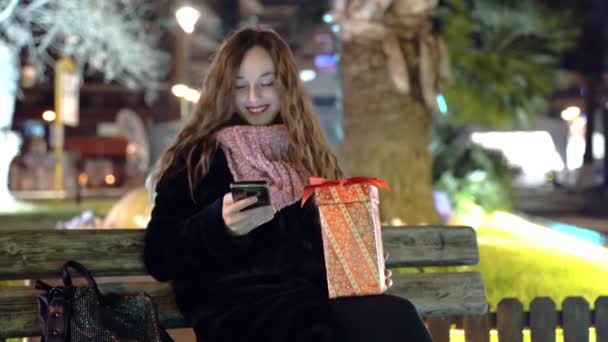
{"type": "Point", "coordinates": [184, 238]}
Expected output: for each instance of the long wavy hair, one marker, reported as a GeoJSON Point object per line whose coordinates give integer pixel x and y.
{"type": "Point", "coordinates": [308, 147]}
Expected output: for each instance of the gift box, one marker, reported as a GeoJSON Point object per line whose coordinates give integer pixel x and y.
{"type": "Point", "coordinates": [352, 237]}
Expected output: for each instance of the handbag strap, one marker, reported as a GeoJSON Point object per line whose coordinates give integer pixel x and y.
{"type": "Point", "coordinates": [67, 277]}
{"type": "Point", "coordinates": [58, 320]}
{"type": "Point", "coordinates": [40, 285]}
{"type": "Point", "coordinates": [54, 311]}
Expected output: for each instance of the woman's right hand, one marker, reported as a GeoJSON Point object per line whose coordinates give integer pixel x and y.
{"type": "Point", "coordinates": [240, 222]}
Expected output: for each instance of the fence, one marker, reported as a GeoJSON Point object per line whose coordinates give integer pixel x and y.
{"type": "Point", "coordinates": [542, 320]}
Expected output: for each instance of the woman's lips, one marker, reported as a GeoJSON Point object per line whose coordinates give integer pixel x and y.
{"type": "Point", "coordinates": [257, 110]}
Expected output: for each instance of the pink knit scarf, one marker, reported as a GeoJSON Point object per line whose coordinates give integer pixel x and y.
{"type": "Point", "coordinates": [260, 153]}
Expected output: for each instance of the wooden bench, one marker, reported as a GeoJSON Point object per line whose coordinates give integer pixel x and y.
{"type": "Point", "coordinates": [39, 254]}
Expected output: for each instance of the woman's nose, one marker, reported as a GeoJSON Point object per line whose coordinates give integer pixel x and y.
{"type": "Point", "coordinates": [253, 95]}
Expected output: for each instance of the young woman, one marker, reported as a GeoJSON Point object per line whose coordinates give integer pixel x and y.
{"type": "Point", "coordinates": [256, 274]}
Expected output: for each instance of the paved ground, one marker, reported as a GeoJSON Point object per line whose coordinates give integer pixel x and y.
{"type": "Point", "coordinates": [587, 209]}
{"type": "Point", "coordinates": [599, 224]}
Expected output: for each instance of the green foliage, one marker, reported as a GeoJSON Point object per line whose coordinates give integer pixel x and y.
{"type": "Point", "coordinates": [529, 261]}
{"type": "Point", "coordinates": [469, 172]}
{"type": "Point", "coordinates": [505, 58]}
{"type": "Point", "coordinates": [526, 272]}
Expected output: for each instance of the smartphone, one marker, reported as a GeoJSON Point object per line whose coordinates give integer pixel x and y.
{"type": "Point", "coordinates": [244, 189]}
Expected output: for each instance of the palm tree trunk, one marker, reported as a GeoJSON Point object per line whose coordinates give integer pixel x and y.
{"type": "Point", "coordinates": [387, 131]}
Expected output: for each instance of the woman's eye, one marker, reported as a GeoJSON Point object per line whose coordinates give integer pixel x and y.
{"type": "Point", "coordinates": [240, 86]}
{"type": "Point", "coordinates": [267, 84]}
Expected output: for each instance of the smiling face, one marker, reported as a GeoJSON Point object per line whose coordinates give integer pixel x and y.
{"type": "Point", "coordinates": [256, 95]}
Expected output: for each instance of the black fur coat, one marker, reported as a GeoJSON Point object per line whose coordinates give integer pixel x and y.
{"type": "Point", "coordinates": [269, 281]}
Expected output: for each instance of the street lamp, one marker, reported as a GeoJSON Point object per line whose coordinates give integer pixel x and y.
{"type": "Point", "coordinates": [187, 16]}
{"type": "Point", "coordinates": [179, 90]}
{"type": "Point", "coordinates": [49, 116]}
{"type": "Point", "coordinates": [185, 93]}
{"type": "Point", "coordinates": [571, 113]}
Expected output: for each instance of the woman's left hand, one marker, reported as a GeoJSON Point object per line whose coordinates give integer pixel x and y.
{"type": "Point", "coordinates": [387, 273]}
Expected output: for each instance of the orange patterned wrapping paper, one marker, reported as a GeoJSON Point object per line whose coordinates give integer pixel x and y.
{"type": "Point", "coordinates": [352, 239]}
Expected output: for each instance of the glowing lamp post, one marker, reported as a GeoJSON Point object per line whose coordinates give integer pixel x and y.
{"type": "Point", "coordinates": [186, 16]}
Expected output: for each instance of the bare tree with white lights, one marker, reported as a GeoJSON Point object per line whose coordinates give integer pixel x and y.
{"type": "Point", "coordinates": [115, 37]}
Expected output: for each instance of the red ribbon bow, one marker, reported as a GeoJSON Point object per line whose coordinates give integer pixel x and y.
{"type": "Point", "coordinates": [317, 182]}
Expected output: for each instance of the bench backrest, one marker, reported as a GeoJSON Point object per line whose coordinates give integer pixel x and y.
{"type": "Point", "coordinates": [115, 259]}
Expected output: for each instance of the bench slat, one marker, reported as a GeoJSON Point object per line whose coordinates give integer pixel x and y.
{"type": "Point", "coordinates": [430, 246]}
{"type": "Point", "coordinates": [33, 254]}
{"type": "Point", "coordinates": [37, 254]}
{"type": "Point", "coordinates": [442, 294]}
{"type": "Point", "coordinates": [433, 294]}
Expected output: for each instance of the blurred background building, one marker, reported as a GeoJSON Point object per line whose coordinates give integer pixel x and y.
{"type": "Point", "coordinates": [120, 131]}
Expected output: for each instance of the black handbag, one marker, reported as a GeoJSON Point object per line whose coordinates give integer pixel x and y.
{"type": "Point", "coordinates": [79, 314]}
